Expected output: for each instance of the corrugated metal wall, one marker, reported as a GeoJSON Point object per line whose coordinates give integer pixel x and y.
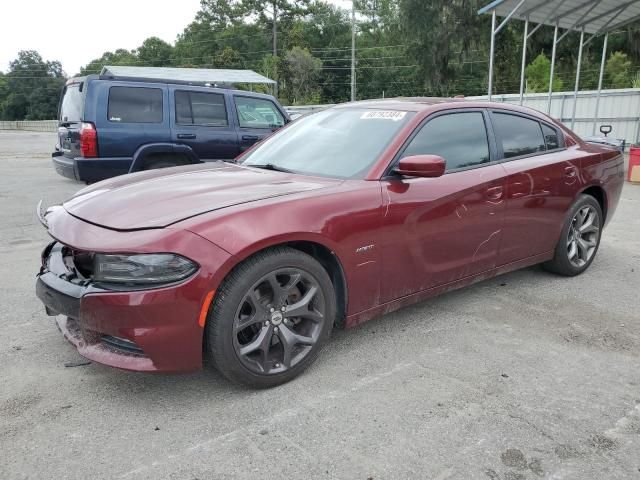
{"type": "Point", "coordinates": [619, 108]}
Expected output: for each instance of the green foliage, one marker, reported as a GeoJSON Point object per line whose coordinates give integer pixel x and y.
{"type": "Point", "coordinates": [618, 71]}
{"type": "Point", "coordinates": [300, 77]}
{"type": "Point", "coordinates": [154, 52]}
{"type": "Point", "coordinates": [31, 88]}
{"type": "Point", "coordinates": [403, 48]}
{"type": "Point", "coordinates": [119, 57]}
{"type": "Point", "coordinates": [538, 73]}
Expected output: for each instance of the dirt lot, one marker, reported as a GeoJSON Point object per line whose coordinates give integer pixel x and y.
{"type": "Point", "coordinates": [525, 376]}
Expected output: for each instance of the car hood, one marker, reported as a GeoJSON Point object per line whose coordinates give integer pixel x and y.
{"type": "Point", "coordinates": [158, 198]}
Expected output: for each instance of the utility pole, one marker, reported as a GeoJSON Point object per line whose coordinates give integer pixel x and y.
{"type": "Point", "coordinates": [275, 43]}
{"type": "Point", "coordinates": [275, 28]}
{"type": "Point", "coordinates": [353, 50]}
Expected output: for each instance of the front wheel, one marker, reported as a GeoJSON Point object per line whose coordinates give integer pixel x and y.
{"type": "Point", "coordinates": [271, 317]}
{"type": "Point", "coordinates": [580, 238]}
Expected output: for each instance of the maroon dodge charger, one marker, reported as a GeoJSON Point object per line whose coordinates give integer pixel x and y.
{"type": "Point", "coordinates": [342, 216]}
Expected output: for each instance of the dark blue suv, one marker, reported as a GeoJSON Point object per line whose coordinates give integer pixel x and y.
{"type": "Point", "coordinates": [110, 126]}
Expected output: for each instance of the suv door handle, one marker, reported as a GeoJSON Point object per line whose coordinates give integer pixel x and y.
{"type": "Point", "coordinates": [252, 138]}
{"type": "Point", "coordinates": [186, 136]}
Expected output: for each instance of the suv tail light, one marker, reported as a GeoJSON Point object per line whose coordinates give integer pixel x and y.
{"type": "Point", "coordinates": [88, 140]}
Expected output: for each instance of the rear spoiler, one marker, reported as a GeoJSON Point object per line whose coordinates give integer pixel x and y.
{"type": "Point", "coordinates": [617, 143]}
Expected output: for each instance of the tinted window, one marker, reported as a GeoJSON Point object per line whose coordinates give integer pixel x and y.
{"type": "Point", "coordinates": [135, 105]}
{"type": "Point", "coordinates": [72, 104]}
{"type": "Point", "coordinates": [519, 135]}
{"type": "Point", "coordinates": [459, 138]}
{"type": "Point", "coordinates": [258, 113]}
{"type": "Point", "coordinates": [198, 108]}
{"type": "Point", "coordinates": [550, 137]}
{"type": "Point", "coordinates": [338, 142]}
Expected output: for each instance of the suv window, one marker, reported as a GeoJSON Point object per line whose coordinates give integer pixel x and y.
{"type": "Point", "coordinates": [258, 113]}
{"type": "Point", "coordinates": [550, 137]}
{"type": "Point", "coordinates": [72, 104]}
{"type": "Point", "coordinates": [135, 105]}
{"type": "Point", "coordinates": [459, 138]}
{"type": "Point", "coordinates": [199, 108]}
{"type": "Point", "coordinates": [519, 135]}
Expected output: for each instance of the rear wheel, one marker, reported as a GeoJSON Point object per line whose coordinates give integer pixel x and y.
{"type": "Point", "coordinates": [271, 317]}
{"type": "Point", "coordinates": [580, 238]}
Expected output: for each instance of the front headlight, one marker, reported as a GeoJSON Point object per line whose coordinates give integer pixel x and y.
{"type": "Point", "coordinates": [142, 269]}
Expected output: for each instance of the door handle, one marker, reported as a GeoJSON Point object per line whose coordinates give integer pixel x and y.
{"type": "Point", "coordinates": [251, 138]}
{"type": "Point", "coordinates": [494, 193]}
{"type": "Point", "coordinates": [187, 136]}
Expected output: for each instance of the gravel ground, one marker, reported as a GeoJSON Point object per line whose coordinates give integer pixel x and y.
{"type": "Point", "coordinates": [524, 376]}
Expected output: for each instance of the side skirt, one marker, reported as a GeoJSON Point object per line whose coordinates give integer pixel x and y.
{"type": "Point", "coordinates": [361, 317]}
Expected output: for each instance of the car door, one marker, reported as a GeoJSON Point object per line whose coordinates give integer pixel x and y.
{"type": "Point", "coordinates": [200, 119]}
{"type": "Point", "coordinates": [541, 184]}
{"type": "Point", "coordinates": [257, 118]}
{"type": "Point", "coordinates": [438, 230]}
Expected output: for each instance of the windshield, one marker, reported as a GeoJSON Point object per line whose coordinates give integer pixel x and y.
{"type": "Point", "coordinates": [343, 142]}
{"type": "Point", "coordinates": [72, 104]}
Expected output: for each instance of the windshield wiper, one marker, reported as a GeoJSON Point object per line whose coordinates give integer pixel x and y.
{"type": "Point", "coordinates": [271, 166]}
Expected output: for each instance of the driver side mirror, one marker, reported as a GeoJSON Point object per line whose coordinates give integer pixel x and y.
{"type": "Point", "coordinates": [430, 166]}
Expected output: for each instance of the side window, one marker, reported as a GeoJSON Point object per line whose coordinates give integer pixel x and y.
{"type": "Point", "coordinates": [199, 108]}
{"type": "Point", "coordinates": [550, 137]}
{"type": "Point", "coordinates": [519, 135]}
{"type": "Point", "coordinates": [135, 105]}
{"type": "Point", "coordinates": [258, 113]}
{"type": "Point", "coordinates": [459, 138]}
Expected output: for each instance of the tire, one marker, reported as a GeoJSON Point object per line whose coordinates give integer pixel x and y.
{"type": "Point", "coordinates": [270, 318]}
{"type": "Point", "coordinates": [580, 238]}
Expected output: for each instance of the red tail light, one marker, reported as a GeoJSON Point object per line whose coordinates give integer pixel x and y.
{"type": "Point", "coordinates": [88, 140]}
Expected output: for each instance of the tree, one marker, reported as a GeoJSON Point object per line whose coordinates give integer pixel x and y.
{"type": "Point", "coordinates": [618, 71]}
{"type": "Point", "coordinates": [440, 35]}
{"type": "Point", "coordinates": [31, 88]}
{"type": "Point", "coordinates": [154, 52]}
{"type": "Point", "coordinates": [119, 57]}
{"type": "Point", "coordinates": [538, 73]}
{"type": "Point", "coordinates": [274, 12]}
{"type": "Point", "coordinates": [301, 75]}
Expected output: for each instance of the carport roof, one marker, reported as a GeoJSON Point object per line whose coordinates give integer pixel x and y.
{"type": "Point", "coordinates": [595, 16]}
{"type": "Point", "coordinates": [186, 75]}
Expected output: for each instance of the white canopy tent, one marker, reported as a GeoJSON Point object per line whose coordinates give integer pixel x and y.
{"type": "Point", "coordinates": [589, 17]}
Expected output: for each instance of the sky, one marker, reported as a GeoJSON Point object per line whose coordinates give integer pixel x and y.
{"type": "Point", "coordinates": [77, 32]}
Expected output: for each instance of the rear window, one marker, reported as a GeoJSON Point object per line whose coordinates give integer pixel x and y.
{"type": "Point", "coordinates": [135, 105]}
{"type": "Point", "coordinates": [72, 104]}
{"type": "Point", "coordinates": [198, 108]}
{"type": "Point", "coordinates": [519, 135]}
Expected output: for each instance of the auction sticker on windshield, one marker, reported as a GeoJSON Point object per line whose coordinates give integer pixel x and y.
{"type": "Point", "coordinates": [383, 115]}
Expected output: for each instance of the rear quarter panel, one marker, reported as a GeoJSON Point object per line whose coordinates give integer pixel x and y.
{"type": "Point", "coordinates": [604, 167]}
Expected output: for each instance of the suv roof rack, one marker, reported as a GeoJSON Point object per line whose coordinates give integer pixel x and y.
{"type": "Point", "coordinates": [221, 78]}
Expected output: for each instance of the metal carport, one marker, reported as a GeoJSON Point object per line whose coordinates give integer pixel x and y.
{"type": "Point", "coordinates": [589, 17]}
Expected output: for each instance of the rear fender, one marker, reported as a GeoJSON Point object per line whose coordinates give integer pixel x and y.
{"type": "Point", "coordinates": [139, 156]}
